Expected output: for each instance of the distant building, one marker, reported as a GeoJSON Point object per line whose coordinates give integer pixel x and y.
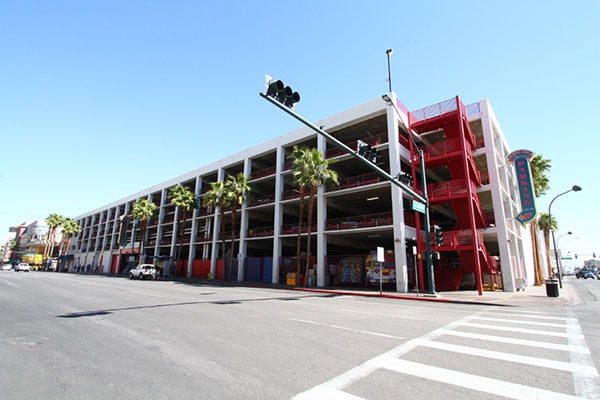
{"type": "Point", "coordinates": [472, 191]}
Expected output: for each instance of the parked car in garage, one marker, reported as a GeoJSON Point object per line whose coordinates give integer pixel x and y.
{"type": "Point", "coordinates": [585, 273]}
{"type": "Point", "coordinates": [23, 267]}
{"type": "Point", "coordinates": [143, 271]}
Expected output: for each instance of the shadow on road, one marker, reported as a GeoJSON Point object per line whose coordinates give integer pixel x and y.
{"type": "Point", "coordinates": [94, 313]}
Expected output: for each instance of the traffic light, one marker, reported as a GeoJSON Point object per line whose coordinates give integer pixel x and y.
{"type": "Point", "coordinates": [367, 151]}
{"type": "Point", "coordinates": [438, 234]}
{"type": "Point", "coordinates": [405, 178]}
{"type": "Point", "coordinates": [283, 94]}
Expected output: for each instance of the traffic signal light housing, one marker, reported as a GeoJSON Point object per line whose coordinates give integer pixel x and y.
{"type": "Point", "coordinates": [438, 235]}
{"type": "Point", "coordinates": [283, 94]}
{"type": "Point", "coordinates": [405, 178]}
{"type": "Point", "coordinates": [367, 151]}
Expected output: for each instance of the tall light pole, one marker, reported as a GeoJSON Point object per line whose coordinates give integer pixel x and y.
{"type": "Point", "coordinates": [427, 227]}
{"type": "Point", "coordinates": [557, 245]}
{"type": "Point", "coordinates": [575, 188]}
{"type": "Point", "coordinates": [389, 53]}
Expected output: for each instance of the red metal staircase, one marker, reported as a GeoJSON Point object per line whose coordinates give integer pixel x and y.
{"type": "Point", "coordinates": [449, 144]}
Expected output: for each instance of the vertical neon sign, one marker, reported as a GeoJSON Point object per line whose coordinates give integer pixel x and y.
{"type": "Point", "coordinates": [525, 183]}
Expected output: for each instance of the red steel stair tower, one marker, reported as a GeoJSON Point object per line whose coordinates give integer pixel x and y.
{"type": "Point", "coordinates": [453, 178]}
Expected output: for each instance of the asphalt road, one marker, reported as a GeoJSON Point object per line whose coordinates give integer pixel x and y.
{"type": "Point", "coordinates": [66, 336]}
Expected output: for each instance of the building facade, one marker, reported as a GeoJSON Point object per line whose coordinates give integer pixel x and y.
{"type": "Point", "coordinates": [472, 192]}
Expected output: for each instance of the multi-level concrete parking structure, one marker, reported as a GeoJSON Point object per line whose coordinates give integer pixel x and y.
{"type": "Point", "coordinates": [472, 191]}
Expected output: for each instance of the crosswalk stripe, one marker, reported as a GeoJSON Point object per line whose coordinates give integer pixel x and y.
{"type": "Point", "coordinates": [474, 382]}
{"type": "Point", "coordinates": [522, 342]}
{"type": "Point", "coordinates": [584, 370]}
{"type": "Point", "coordinates": [533, 316]}
{"type": "Point", "coordinates": [326, 392]}
{"type": "Point", "coordinates": [522, 330]}
{"type": "Point", "coordinates": [520, 321]}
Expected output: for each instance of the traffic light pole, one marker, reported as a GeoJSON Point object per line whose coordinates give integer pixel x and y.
{"type": "Point", "coordinates": [348, 149]}
{"type": "Point", "coordinates": [422, 198]}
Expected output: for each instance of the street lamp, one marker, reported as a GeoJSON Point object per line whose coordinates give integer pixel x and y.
{"type": "Point", "coordinates": [575, 188]}
{"type": "Point", "coordinates": [557, 245]}
{"type": "Point", "coordinates": [428, 251]}
{"type": "Point", "coordinates": [389, 53]}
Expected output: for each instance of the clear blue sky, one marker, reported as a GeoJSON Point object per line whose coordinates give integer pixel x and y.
{"type": "Point", "coordinates": [101, 99]}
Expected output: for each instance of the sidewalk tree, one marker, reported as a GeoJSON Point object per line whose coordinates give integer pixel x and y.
{"type": "Point", "coordinates": [217, 197]}
{"type": "Point", "coordinates": [53, 221]}
{"type": "Point", "coordinates": [185, 201]}
{"type": "Point", "coordinates": [547, 224]}
{"type": "Point", "coordinates": [142, 211]}
{"type": "Point", "coordinates": [541, 184]}
{"type": "Point", "coordinates": [70, 228]}
{"type": "Point", "coordinates": [238, 189]}
{"type": "Point", "coordinates": [300, 178]}
{"type": "Point", "coordinates": [311, 170]}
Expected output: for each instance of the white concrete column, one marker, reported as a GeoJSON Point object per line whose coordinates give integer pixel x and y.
{"type": "Point", "coordinates": [278, 213]}
{"type": "Point", "coordinates": [395, 151]}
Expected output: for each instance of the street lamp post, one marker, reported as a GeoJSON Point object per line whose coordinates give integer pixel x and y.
{"type": "Point", "coordinates": [575, 188]}
{"type": "Point", "coordinates": [557, 245]}
{"type": "Point", "coordinates": [389, 53]}
{"type": "Point", "coordinates": [427, 227]}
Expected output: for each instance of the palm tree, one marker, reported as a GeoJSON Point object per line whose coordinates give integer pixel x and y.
{"type": "Point", "coordinates": [185, 201]}
{"type": "Point", "coordinates": [142, 210]}
{"type": "Point", "coordinates": [312, 169]}
{"type": "Point", "coordinates": [547, 224]}
{"type": "Point", "coordinates": [53, 221]}
{"type": "Point", "coordinates": [238, 189]}
{"type": "Point", "coordinates": [217, 197]}
{"type": "Point", "coordinates": [70, 228]}
{"type": "Point", "coordinates": [539, 166]}
{"type": "Point", "coordinates": [300, 179]}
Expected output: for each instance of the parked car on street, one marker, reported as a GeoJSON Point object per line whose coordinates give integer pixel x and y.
{"type": "Point", "coordinates": [23, 267]}
{"type": "Point", "coordinates": [142, 271]}
{"type": "Point", "coordinates": [6, 267]}
{"type": "Point", "coordinates": [585, 273]}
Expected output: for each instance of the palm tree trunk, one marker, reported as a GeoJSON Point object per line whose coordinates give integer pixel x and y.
{"type": "Point", "coordinates": [548, 259]}
{"type": "Point", "coordinates": [311, 200]}
{"type": "Point", "coordinates": [233, 221]}
{"type": "Point", "coordinates": [539, 276]}
{"type": "Point", "coordinates": [299, 238]}
{"type": "Point", "coordinates": [180, 231]}
{"type": "Point", "coordinates": [222, 231]}
{"type": "Point", "coordinates": [143, 236]}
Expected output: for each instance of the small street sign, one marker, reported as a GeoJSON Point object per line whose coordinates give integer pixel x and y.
{"type": "Point", "coordinates": [418, 206]}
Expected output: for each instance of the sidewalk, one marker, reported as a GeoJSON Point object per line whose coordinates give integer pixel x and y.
{"type": "Point", "coordinates": [531, 293]}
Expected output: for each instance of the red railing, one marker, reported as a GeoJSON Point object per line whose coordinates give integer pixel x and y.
{"type": "Point", "coordinates": [257, 201]}
{"type": "Point", "coordinates": [260, 231]}
{"type": "Point", "coordinates": [289, 229]}
{"type": "Point", "coordinates": [261, 173]}
{"type": "Point", "coordinates": [360, 221]}
{"type": "Point", "coordinates": [358, 180]}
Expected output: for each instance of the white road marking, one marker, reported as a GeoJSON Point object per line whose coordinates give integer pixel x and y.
{"type": "Point", "coordinates": [585, 386]}
{"type": "Point", "coordinates": [522, 330]}
{"type": "Point", "coordinates": [347, 329]}
{"type": "Point", "coordinates": [474, 382]}
{"type": "Point", "coordinates": [585, 375]}
{"type": "Point", "coordinates": [522, 342]}
{"type": "Point", "coordinates": [533, 316]}
{"type": "Point", "coordinates": [583, 369]}
{"type": "Point", "coordinates": [520, 321]}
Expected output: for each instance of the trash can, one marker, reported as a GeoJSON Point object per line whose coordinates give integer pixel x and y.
{"type": "Point", "coordinates": [552, 288]}
{"type": "Point", "coordinates": [291, 278]}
